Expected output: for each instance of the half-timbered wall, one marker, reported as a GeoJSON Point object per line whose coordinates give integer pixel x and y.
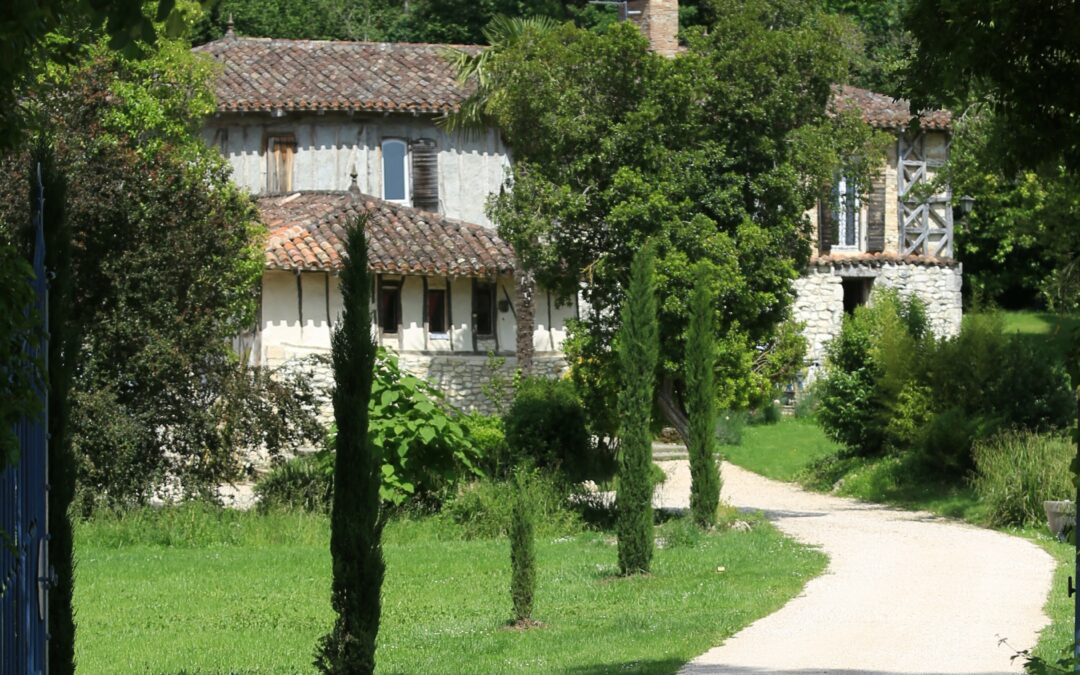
{"type": "Point", "coordinates": [328, 148]}
{"type": "Point", "coordinates": [299, 311]}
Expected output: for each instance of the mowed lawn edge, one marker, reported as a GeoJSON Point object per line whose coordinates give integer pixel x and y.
{"type": "Point", "coordinates": [250, 593]}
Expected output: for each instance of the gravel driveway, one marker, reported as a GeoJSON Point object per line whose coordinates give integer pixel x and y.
{"type": "Point", "coordinates": [905, 592]}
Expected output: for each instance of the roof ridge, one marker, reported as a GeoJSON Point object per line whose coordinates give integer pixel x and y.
{"type": "Point", "coordinates": [234, 39]}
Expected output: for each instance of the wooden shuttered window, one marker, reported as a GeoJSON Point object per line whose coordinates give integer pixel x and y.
{"type": "Point", "coordinates": [875, 216]}
{"type": "Point", "coordinates": [425, 175]}
{"type": "Point", "coordinates": [827, 225]}
{"type": "Point", "coordinates": [280, 151]}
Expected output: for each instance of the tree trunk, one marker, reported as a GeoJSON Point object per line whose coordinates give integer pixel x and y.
{"type": "Point", "coordinates": [526, 318]}
{"type": "Point", "coordinates": [672, 408]}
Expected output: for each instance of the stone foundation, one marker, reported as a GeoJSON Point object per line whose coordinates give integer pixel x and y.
{"type": "Point", "coordinates": [460, 377]}
{"type": "Point", "coordinates": [819, 302]}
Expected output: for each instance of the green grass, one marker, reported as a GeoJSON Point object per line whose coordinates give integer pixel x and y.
{"type": "Point", "coordinates": [780, 451]}
{"type": "Point", "coordinates": [199, 590]}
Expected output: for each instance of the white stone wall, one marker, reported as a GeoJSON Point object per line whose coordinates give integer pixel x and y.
{"type": "Point", "coordinates": [329, 147]}
{"type": "Point", "coordinates": [819, 306]}
{"type": "Point", "coordinates": [938, 288]}
{"type": "Point", "coordinates": [819, 300]}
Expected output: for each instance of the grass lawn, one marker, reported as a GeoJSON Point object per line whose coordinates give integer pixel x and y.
{"type": "Point", "coordinates": [205, 591]}
{"type": "Point", "coordinates": [780, 451]}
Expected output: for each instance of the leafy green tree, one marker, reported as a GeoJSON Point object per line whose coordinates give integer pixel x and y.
{"type": "Point", "coordinates": [165, 268]}
{"type": "Point", "coordinates": [1021, 57]}
{"type": "Point", "coordinates": [881, 42]}
{"type": "Point", "coordinates": [355, 521]}
{"type": "Point", "coordinates": [701, 405]}
{"type": "Point", "coordinates": [638, 350]}
{"type": "Point", "coordinates": [29, 43]}
{"type": "Point", "coordinates": [16, 327]}
{"type": "Point", "coordinates": [715, 155]}
{"type": "Point", "coordinates": [522, 551]}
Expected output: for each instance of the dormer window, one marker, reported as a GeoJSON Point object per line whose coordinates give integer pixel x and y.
{"type": "Point", "coordinates": [395, 176]}
{"type": "Point", "coordinates": [280, 151]}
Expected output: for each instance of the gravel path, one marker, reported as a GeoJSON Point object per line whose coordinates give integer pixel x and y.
{"type": "Point", "coordinates": [905, 592]}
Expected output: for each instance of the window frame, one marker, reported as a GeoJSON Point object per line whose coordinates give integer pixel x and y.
{"type": "Point", "coordinates": [433, 330]}
{"type": "Point", "coordinates": [492, 288]}
{"type": "Point", "coordinates": [847, 205]}
{"type": "Point", "coordinates": [286, 138]}
{"type": "Point", "coordinates": [396, 287]}
{"type": "Point", "coordinates": [406, 178]}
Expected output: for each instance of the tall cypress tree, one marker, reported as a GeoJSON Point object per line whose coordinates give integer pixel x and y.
{"type": "Point", "coordinates": [705, 479]}
{"type": "Point", "coordinates": [355, 521]}
{"type": "Point", "coordinates": [522, 551]}
{"type": "Point", "coordinates": [638, 347]}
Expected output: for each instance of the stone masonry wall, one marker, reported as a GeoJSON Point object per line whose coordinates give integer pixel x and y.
{"type": "Point", "coordinates": [819, 301]}
{"type": "Point", "coordinates": [460, 377]}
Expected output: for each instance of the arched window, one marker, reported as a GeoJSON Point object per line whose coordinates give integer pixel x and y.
{"type": "Point", "coordinates": [395, 177]}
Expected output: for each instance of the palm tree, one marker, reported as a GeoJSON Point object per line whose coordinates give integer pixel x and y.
{"type": "Point", "coordinates": [474, 68]}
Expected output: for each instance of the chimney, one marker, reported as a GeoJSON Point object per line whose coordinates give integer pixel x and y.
{"type": "Point", "coordinates": [659, 20]}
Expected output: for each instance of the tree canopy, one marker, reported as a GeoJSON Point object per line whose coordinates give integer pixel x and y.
{"type": "Point", "coordinates": [166, 262]}
{"type": "Point", "coordinates": [715, 155]}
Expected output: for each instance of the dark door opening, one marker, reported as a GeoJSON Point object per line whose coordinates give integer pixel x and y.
{"type": "Point", "coordinates": [856, 292]}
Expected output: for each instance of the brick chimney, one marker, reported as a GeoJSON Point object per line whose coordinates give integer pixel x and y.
{"type": "Point", "coordinates": [659, 20]}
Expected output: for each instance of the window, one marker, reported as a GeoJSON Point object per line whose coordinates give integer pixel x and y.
{"type": "Point", "coordinates": [848, 214]}
{"type": "Point", "coordinates": [389, 307]}
{"type": "Point", "coordinates": [483, 306]}
{"type": "Point", "coordinates": [280, 151]}
{"type": "Point", "coordinates": [436, 310]}
{"type": "Point", "coordinates": [395, 176]}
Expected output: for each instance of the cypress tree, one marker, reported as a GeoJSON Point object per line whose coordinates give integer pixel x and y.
{"type": "Point", "coordinates": [522, 552]}
{"type": "Point", "coordinates": [355, 521]}
{"type": "Point", "coordinates": [705, 479]}
{"type": "Point", "coordinates": [638, 347]}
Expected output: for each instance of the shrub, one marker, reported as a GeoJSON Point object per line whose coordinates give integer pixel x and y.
{"type": "Point", "coordinates": [806, 405]}
{"type": "Point", "coordinates": [482, 508]}
{"type": "Point", "coordinates": [546, 427]}
{"type": "Point", "coordinates": [522, 551]}
{"type": "Point", "coordinates": [420, 439]}
{"type": "Point", "coordinates": [488, 438]}
{"type": "Point", "coordinates": [1017, 471]}
{"type": "Point", "coordinates": [681, 532]}
{"type": "Point", "coordinates": [729, 427]}
{"type": "Point", "coordinates": [305, 482]}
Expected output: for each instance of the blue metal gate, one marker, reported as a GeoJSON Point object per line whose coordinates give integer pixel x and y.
{"type": "Point", "coordinates": [24, 555]}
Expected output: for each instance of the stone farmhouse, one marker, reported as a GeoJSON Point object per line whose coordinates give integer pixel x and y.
{"type": "Point", "coordinates": [320, 131]}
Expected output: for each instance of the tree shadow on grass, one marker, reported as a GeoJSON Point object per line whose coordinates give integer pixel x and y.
{"type": "Point", "coordinates": [648, 667]}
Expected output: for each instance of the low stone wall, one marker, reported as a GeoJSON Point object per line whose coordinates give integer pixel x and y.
{"type": "Point", "coordinates": [819, 302]}
{"type": "Point", "coordinates": [460, 377]}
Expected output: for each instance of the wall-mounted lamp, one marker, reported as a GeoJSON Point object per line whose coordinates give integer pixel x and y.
{"type": "Point", "coordinates": [967, 203]}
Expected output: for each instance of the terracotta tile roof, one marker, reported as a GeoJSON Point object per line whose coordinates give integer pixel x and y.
{"type": "Point", "coordinates": [263, 74]}
{"type": "Point", "coordinates": [884, 111]}
{"type": "Point", "coordinates": [879, 259]}
{"type": "Point", "coordinates": [307, 232]}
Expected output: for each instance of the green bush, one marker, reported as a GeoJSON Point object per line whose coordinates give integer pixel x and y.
{"type": "Point", "coordinates": [806, 405]}
{"type": "Point", "coordinates": [305, 482]}
{"type": "Point", "coordinates": [546, 427]}
{"type": "Point", "coordinates": [890, 386]}
{"type": "Point", "coordinates": [483, 508]}
{"type": "Point", "coordinates": [421, 440]}
{"type": "Point", "coordinates": [729, 427]}
{"type": "Point", "coordinates": [1017, 471]}
{"type": "Point", "coordinates": [488, 438]}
